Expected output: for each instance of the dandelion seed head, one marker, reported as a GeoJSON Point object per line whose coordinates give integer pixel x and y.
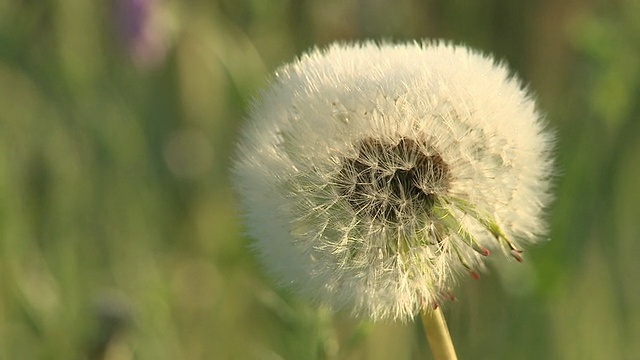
{"type": "Point", "coordinates": [371, 176]}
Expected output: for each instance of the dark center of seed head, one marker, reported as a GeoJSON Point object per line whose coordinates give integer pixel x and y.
{"type": "Point", "coordinates": [390, 182]}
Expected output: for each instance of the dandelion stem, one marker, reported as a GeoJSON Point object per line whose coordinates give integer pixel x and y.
{"type": "Point", "coordinates": [435, 328]}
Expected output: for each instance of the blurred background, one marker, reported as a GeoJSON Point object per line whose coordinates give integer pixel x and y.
{"type": "Point", "coordinates": [119, 237]}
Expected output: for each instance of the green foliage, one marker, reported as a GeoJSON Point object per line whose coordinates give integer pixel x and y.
{"type": "Point", "coordinates": [118, 233]}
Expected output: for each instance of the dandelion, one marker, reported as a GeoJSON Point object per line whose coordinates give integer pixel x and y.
{"type": "Point", "coordinates": [371, 176]}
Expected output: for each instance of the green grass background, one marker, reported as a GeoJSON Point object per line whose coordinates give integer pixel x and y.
{"type": "Point", "coordinates": [119, 237]}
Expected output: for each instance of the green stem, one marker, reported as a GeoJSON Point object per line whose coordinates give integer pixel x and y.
{"type": "Point", "coordinates": [435, 328]}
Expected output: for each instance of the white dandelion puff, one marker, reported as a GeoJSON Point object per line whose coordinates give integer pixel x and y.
{"type": "Point", "coordinates": [372, 175]}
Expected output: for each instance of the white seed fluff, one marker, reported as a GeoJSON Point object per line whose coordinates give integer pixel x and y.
{"type": "Point", "coordinates": [371, 175]}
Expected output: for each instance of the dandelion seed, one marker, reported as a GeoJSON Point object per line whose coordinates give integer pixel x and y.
{"type": "Point", "coordinates": [371, 176]}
